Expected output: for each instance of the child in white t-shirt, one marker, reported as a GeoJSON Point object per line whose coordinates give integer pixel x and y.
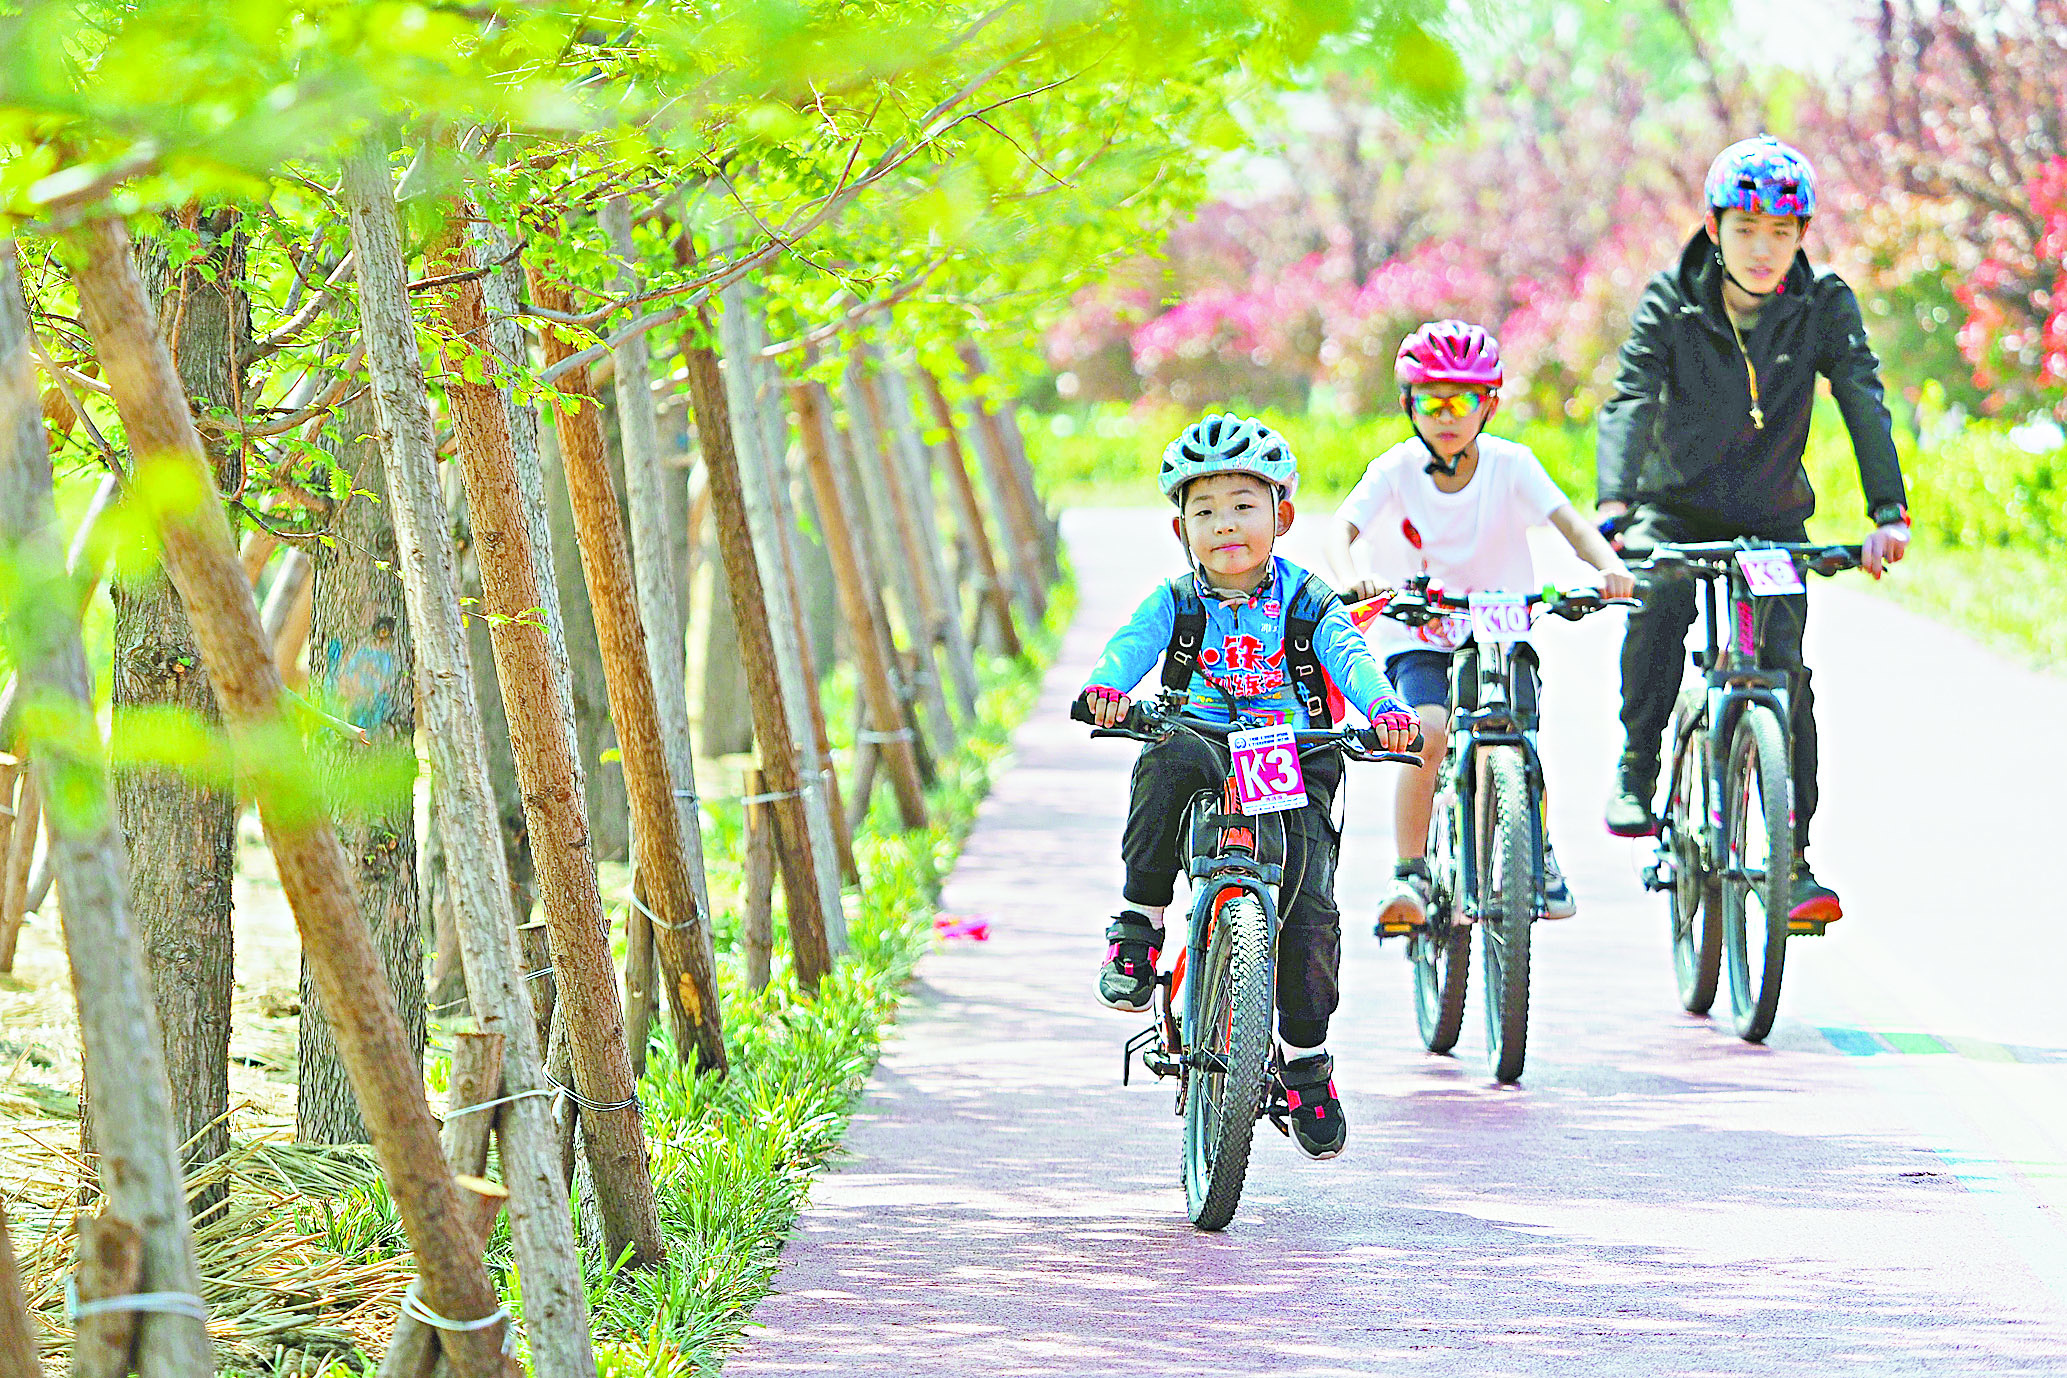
{"type": "Point", "coordinates": [1457, 505]}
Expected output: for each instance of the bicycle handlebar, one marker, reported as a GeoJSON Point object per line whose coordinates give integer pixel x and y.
{"type": "Point", "coordinates": [1147, 723]}
{"type": "Point", "coordinates": [1709, 559]}
{"type": "Point", "coordinates": [1419, 606]}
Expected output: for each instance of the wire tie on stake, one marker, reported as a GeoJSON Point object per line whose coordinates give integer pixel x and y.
{"type": "Point", "coordinates": [491, 1104]}
{"type": "Point", "coordinates": [164, 1303]}
{"type": "Point", "coordinates": [538, 975]}
{"type": "Point", "coordinates": [688, 794]}
{"type": "Point", "coordinates": [902, 734]}
{"type": "Point", "coordinates": [651, 917]}
{"type": "Point", "coordinates": [771, 797]}
{"type": "Point", "coordinates": [413, 1306]}
{"type": "Point", "coordinates": [600, 1107]}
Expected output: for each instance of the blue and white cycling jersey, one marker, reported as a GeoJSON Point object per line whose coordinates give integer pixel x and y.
{"type": "Point", "coordinates": [1244, 652]}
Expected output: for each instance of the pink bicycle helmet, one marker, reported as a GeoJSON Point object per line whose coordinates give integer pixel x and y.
{"type": "Point", "coordinates": [1449, 352]}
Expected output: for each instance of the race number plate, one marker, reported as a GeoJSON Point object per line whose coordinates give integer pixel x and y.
{"type": "Point", "coordinates": [1497, 617]}
{"type": "Point", "coordinates": [1267, 774]}
{"type": "Point", "coordinates": [1769, 572]}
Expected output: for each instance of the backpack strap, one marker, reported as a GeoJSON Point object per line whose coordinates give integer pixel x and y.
{"type": "Point", "coordinates": [1187, 634]}
{"type": "Point", "coordinates": [1309, 605]}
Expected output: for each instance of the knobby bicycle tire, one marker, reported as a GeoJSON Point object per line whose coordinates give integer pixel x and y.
{"type": "Point", "coordinates": [1507, 903]}
{"type": "Point", "coordinates": [1694, 899]}
{"type": "Point", "coordinates": [1441, 949]}
{"type": "Point", "coordinates": [1758, 870]}
{"type": "Point", "coordinates": [1221, 1107]}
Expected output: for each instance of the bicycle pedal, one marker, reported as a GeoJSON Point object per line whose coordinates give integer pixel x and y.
{"type": "Point", "coordinates": [1806, 928]}
{"type": "Point", "coordinates": [1382, 931]}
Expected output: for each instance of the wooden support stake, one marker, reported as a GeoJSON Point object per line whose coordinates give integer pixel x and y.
{"type": "Point", "coordinates": [584, 978]}
{"type": "Point", "coordinates": [475, 1079]}
{"type": "Point", "coordinates": [871, 638]}
{"type": "Point", "coordinates": [17, 1332]}
{"type": "Point", "coordinates": [641, 995]}
{"type": "Point", "coordinates": [757, 930]}
{"type": "Point", "coordinates": [21, 850]}
{"type": "Point", "coordinates": [606, 566]}
{"type": "Point", "coordinates": [122, 1052]}
{"type": "Point", "coordinates": [759, 426]}
{"type": "Point", "coordinates": [646, 480]}
{"type": "Point", "coordinates": [800, 876]}
{"type": "Point", "coordinates": [415, 1348]}
{"type": "Point", "coordinates": [555, 1301]}
{"type": "Point", "coordinates": [111, 1260]}
{"type": "Point", "coordinates": [995, 595]}
{"type": "Point", "coordinates": [1022, 524]}
{"type": "Point", "coordinates": [912, 466]}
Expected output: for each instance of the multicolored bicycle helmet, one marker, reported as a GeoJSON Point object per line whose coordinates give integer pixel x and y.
{"type": "Point", "coordinates": [1761, 175]}
{"type": "Point", "coordinates": [1449, 352]}
{"type": "Point", "coordinates": [1228, 444]}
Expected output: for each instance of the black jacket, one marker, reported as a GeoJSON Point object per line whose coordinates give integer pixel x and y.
{"type": "Point", "coordinates": [1678, 432]}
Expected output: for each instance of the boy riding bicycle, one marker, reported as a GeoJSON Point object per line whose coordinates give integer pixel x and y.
{"type": "Point", "coordinates": [1703, 441]}
{"type": "Point", "coordinates": [1262, 629]}
{"type": "Point", "coordinates": [1455, 504]}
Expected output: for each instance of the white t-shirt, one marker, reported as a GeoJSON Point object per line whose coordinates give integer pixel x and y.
{"type": "Point", "coordinates": [1473, 540]}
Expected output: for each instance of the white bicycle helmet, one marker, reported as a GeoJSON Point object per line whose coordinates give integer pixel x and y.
{"type": "Point", "coordinates": [1228, 444]}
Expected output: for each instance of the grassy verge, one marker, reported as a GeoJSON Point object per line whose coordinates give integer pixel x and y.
{"type": "Point", "coordinates": [1989, 517]}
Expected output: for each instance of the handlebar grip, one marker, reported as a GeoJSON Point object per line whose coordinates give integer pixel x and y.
{"type": "Point", "coordinates": [1079, 711]}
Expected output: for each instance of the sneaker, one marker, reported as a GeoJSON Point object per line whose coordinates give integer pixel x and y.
{"type": "Point", "coordinates": [1629, 806]}
{"type": "Point", "coordinates": [1310, 1101]}
{"type": "Point", "coordinates": [1405, 905]}
{"type": "Point", "coordinates": [1814, 902]}
{"type": "Point", "coordinates": [1557, 896]}
{"type": "Point", "coordinates": [1128, 978]}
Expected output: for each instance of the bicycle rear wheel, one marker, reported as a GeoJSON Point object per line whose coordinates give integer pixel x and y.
{"type": "Point", "coordinates": [1757, 870]}
{"type": "Point", "coordinates": [1230, 1046]}
{"type": "Point", "coordinates": [1696, 920]}
{"type": "Point", "coordinates": [1441, 950]}
{"type": "Point", "coordinates": [1507, 893]}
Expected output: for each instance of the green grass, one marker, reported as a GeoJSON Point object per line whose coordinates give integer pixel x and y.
{"type": "Point", "coordinates": [1990, 518]}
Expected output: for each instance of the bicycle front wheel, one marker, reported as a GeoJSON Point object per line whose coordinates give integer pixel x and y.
{"type": "Point", "coordinates": [1758, 869]}
{"type": "Point", "coordinates": [1441, 949]}
{"type": "Point", "coordinates": [1507, 908]}
{"type": "Point", "coordinates": [1696, 922]}
{"type": "Point", "coordinates": [1230, 1046]}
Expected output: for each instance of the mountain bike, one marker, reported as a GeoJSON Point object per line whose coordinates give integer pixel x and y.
{"type": "Point", "coordinates": [1726, 849]}
{"type": "Point", "coordinates": [1212, 1032]}
{"type": "Point", "coordinates": [1485, 836]}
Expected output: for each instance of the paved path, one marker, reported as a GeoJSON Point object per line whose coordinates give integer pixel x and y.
{"type": "Point", "coordinates": [1880, 1190]}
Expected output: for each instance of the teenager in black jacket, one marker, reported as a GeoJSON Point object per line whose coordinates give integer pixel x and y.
{"type": "Point", "coordinates": [1703, 441]}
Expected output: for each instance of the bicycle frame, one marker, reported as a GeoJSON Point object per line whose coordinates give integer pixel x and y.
{"type": "Point", "coordinates": [1497, 721]}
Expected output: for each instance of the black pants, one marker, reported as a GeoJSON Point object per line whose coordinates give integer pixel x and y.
{"type": "Point", "coordinates": [1167, 776]}
{"type": "Point", "coordinates": [1652, 648]}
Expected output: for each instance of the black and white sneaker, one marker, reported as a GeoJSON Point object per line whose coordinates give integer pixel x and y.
{"type": "Point", "coordinates": [1318, 1126]}
{"type": "Point", "coordinates": [1128, 978]}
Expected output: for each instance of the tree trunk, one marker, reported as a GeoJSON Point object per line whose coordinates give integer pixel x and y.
{"type": "Point", "coordinates": [656, 837]}
{"type": "Point", "coordinates": [727, 717]}
{"type": "Point", "coordinates": [182, 836]}
{"type": "Point", "coordinates": [123, 1054]}
{"type": "Point", "coordinates": [584, 976]}
{"type": "Point", "coordinates": [360, 667]}
{"type": "Point", "coordinates": [911, 469]}
{"type": "Point", "coordinates": [1024, 534]}
{"type": "Point", "coordinates": [555, 1302]}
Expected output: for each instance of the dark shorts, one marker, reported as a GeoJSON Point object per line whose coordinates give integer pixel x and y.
{"type": "Point", "coordinates": [1422, 678]}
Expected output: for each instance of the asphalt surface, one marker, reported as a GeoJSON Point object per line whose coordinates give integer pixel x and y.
{"type": "Point", "coordinates": [1881, 1189]}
